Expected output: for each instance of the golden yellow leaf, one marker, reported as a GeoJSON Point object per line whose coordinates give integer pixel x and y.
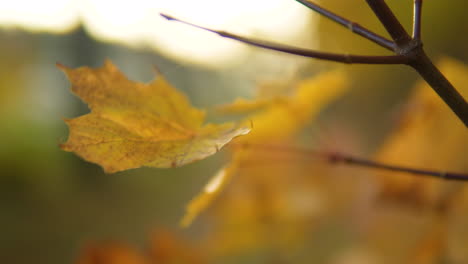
{"type": "Point", "coordinates": [134, 124]}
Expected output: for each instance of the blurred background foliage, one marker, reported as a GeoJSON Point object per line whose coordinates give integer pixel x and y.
{"type": "Point", "coordinates": [53, 204]}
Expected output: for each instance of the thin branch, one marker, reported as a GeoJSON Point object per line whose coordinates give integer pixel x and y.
{"type": "Point", "coordinates": [417, 11]}
{"type": "Point", "coordinates": [432, 75]}
{"type": "Point", "coordinates": [389, 21]}
{"type": "Point", "coordinates": [382, 166]}
{"type": "Point", "coordinates": [343, 58]}
{"type": "Point", "coordinates": [355, 161]}
{"type": "Point", "coordinates": [408, 51]}
{"type": "Point", "coordinates": [412, 49]}
{"type": "Point", "coordinates": [354, 27]}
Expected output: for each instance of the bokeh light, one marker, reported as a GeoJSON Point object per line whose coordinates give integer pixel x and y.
{"type": "Point", "coordinates": [138, 23]}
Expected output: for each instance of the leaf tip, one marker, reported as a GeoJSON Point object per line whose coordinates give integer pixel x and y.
{"type": "Point", "coordinates": [186, 221]}
{"type": "Point", "coordinates": [62, 67]}
{"type": "Point", "coordinates": [65, 147]}
{"type": "Point", "coordinates": [109, 66]}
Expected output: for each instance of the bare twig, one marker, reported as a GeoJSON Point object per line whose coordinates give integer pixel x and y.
{"type": "Point", "coordinates": [431, 74]}
{"type": "Point", "coordinates": [354, 27]}
{"type": "Point", "coordinates": [389, 21]}
{"type": "Point", "coordinates": [417, 11]}
{"type": "Point", "coordinates": [407, 51]}
{"type": "Point", "coordinates": [335, 157]}
{"type": "Point", "coordinates": [343, 58]}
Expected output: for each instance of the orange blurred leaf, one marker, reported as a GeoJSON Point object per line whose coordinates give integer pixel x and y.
{"type": "Point", "coordinates": [165, 247]}
{"type": "Point", "coordinates": [168, 247]}
{"type": "Point", "coordinates": [111, 253]}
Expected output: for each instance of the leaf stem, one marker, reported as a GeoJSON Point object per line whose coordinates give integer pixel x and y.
{"type": "Point", "coordinates": [354, 27]}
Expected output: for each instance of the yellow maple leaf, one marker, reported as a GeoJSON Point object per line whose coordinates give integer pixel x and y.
{"type": "Point", "coordinates": [134, 124]}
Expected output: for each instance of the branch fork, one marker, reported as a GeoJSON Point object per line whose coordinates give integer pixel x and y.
{"type": "Point", "coordinates": [408, 50]}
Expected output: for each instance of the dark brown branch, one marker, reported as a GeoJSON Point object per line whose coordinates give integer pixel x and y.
{"type": "Point", "coordinates": [354, 27]}
{"type": "Point", "coordinates": [408, 51]}
{"type": "Point", "coordinates": [417, 11]}
{"type": "Point", "coordinates": [412, 49]}
{"type": "Point", "coordinates": [382, 166]}
{"type": "Point", "coordinates": [351, 160]}
{"type": "Point", "coordinates": [343, 58]}
{"type": "Point", "coordinates": [389, 21]}
{"type": "Point", "coordinates": [424, 66]}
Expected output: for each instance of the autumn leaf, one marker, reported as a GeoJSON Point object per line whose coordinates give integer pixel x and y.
{"type": "Point", "coordinates": [276, 120]}
{"type": "Point", "coordinates": [111, 253]}
{"type": "Point", "coordinates": [285, 117]}
{"type": "Point", "coordinates": [210, 191]}
{"type": "Point", "coordinates": [165, 247]}
{"type": "Point", "coordinates": [242, 106]}
{"type": "Point", "coordinates": [134, 124]}
{"type": "Point", "coordinates": [428, 135]}
{"type": "Point", "coordinates": [268, 93]}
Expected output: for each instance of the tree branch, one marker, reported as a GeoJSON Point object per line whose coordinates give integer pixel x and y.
{"type": "Point", "coordinates": [431, 74]}
{"type": "Point", "coordinates": [334, 157]}
{"type": "Point", "coordinates": [343, 58]}
{"type": "Point", "coordinates": [354, 27]}
{"type": "Point", "coordinates": [407, 50]}
{"type": "Point", "coordinates": [389, 21]}
{"type": "Point", "coordinates": [412, 49]}
{"type": "Point", "coordinates": [417, 10]}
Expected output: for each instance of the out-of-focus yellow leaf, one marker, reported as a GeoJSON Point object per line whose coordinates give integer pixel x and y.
{"type": "Point", "coordinates": [241, 105]}
{"type": "Point", "coordinates": [432, 247]}
{"type": "Point", "coordinates": [165, 247]}
{"type": "Point", "coordinates": [134, 124]}
{"type": "Point", "coordinates": [211, 190]}
{"type": "Point", "coordinates": [428, 136]}
{"type": "Point", "coordinates": [284, 118]}
{"type": "Point", "coordinates": [279, 120]}
{"type": "Point", "coordinates": [268, 93]}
